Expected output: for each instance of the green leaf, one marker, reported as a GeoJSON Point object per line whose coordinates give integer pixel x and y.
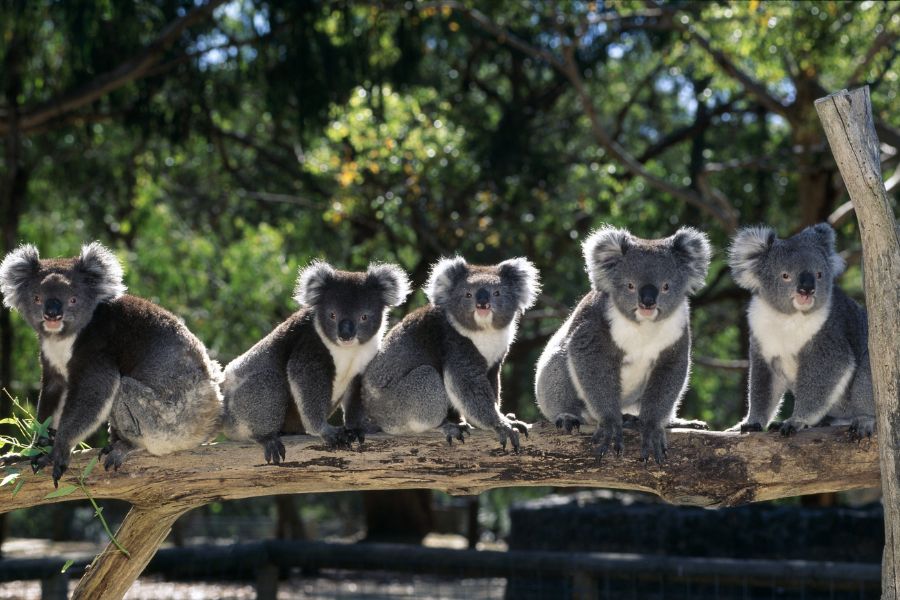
{"type": "Point", "coordinates": [66, 566]}
{"type": "Point", "coordinates": [9, 478]}
{"type": "Point", "coordinates": [87, 470]}
{"type": "Point", "coordinates": [32, 451]}
{"type": "Point", "coordinates": [63, 491]}
{"type": "Point", "coordinates": [18, 487]}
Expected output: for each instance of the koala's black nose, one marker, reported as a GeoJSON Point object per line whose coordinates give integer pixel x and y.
{"type": "Point", "coordinates": [647, 296]}
{"type": "Point", "coordinates": [806, 283]}
{"type": "Point", "coordinates": [482, 298]}
{"type": "Point", "coordinates": [346, 329]}
{"type": "Point", "coordinates": [53, 309]}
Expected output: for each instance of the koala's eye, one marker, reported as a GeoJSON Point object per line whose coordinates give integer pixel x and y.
{"type": "Point", "coordinates": [630, 286]}
{"type": "Point", "coordinates": [818, 274]}
{"type": "Point", "coordinates": [37, 299]}
{"type": "Point", "coordinates": [497, 293]}
{"type": "Point", "coordinates": [468, 294]}
{"type": "Point", "coordinates": [665, 287]}
{"type": "Point", "coordinates": [73, 300]}
{"type": "Point", "coordinates": [364, 318]}
{"type": "Point", "coordinates": [333, 316]}
{"type": "Point", "coordinates": [785, 276]}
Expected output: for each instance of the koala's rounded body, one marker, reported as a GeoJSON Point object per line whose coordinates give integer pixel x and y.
{"type": "Point", "coordinates": [110, 357]}
{"type": "Point", "coordinates": [625, 350]}
{"type": "Point", "coordinates": [449, 353]}
{"type": "Point", "coordinates": [806, 334]}
{"type": "Point", "coordinates": [314, 359]}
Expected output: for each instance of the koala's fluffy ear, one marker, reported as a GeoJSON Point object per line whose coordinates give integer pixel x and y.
{"type": "Point", "coordinates": [747, 249]}
{"type": "Point", "coordinates": [691, 248]}
{"type": "Point", "coordinates": [390, 280]}
{"type": "Point", "coordinates": [311, 282]}
{"type": "Point", "coordinates": [444, 275]}
{"type": "Point", "coordinates": [824, 235]}
{"type": "Point", "coordinates": [603, 250]}
{"type": "Point", "coordinates": [17, 268]}
{"type": "Point", "coordinates": [101, 270]}
{"type": "Point", "coordinates": [525, 279]}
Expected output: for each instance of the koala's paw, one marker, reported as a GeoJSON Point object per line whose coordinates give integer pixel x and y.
{"type": "Point", "coordinates": [608, 434]}
{"type": "Point", "coordinates": [861, 428]}
{"type": "Point", "coordinates": [356, 434]}
{"type": "Point", "coordinates": [273, 449]}
{"type": "Point", "coordinates": [506, 430]}
{"type": "Point", "coordinates": [48, 439]}
{"type": "Point", "coordinates": [522, 426]}
{"type": "Point", "coordinates": [456, 431]}
{"type": "Point", "coordinates": [569, 422]}
{"type": "Point", "coordinates": [115, 454]}
{"type": "Point", "coordinates": [59, 460]}
{"type": "Point", "coordinates": [39, 462]}
{"type": "Point", "coordinates": [791, 426]}
{"type": "Point", "coordinates": [336, 437]}
{"type": "Point", "coordinates": [744, 427]}
{"type": "Point", "coordinates": [653, 442]}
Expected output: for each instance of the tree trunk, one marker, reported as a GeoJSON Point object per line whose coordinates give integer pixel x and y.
{"type": "Point", "coordinates": [847, 119]}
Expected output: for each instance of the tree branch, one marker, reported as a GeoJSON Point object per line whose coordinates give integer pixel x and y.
{"type": "Point", "coordinates": [131, 70]}
{"type": "Point", "coordinates": [704, 468]}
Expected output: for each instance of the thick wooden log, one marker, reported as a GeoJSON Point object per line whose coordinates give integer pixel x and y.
{"type": "Point", "coordinates": [704, 468]}
{"type": "Point", "coordinates": [847, 119]}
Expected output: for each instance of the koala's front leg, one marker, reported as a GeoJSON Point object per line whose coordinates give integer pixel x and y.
{"type": "Point", "coordinates": [764, 394]}
{"type": "Point", "coordinates": [311, 387]}
{"type": "Point", "coordinates": [596, 377]}
{"type": "Point", "coordinates": [493, 376]}
{"type": "Point", "coordinates": [53, 389]}
{"type": "Point", "coordinates": [665, 385]}
{"type": "Point", "coordinates": [354, 411]}
{"type": "Point", "coordinates": [820, 385]}
{"type": "Point", "coordinates": [473, 395]}
{"type": "Point", "coordinates": [90, 397]}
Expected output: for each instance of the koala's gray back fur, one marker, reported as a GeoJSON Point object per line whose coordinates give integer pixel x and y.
{"type": "Point", "coordinates": [449, 354]}
{"type": "Point", "coordinates": [609, 357]}
{"type": "Point", "coordinates": [111, 357]}
{"type": "Point", "coordinates": [815, 348]}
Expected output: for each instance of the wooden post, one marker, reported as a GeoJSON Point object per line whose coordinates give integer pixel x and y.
{"type": "Point", "coordinates": [847, 119]}
{"type": "Point", "coordinates": [141, 533]}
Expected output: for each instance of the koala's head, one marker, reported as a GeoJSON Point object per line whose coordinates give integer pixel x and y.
{"type": "Point", "coordinates": [350, 307]}
{"type": "Point", "coordinates": [646, 279]}
{"type": "Point", "coordinates": [482, 297]}
{"type": "Point", "coordinates": [57, 296]}
{"type": "Point", "coordinates": [792, 275]}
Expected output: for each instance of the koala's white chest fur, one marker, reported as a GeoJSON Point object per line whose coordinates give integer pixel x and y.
{"type": "Point", "coordinates": [58, 351]}
{"type": "Point", "coordinates": [491, 343]}
{"type": "Point", "coordinates": [642, 344]}
{"type": "Point", "coordinates": [781, 337]}
{"type": "Point", "coordinates": [350, 361]}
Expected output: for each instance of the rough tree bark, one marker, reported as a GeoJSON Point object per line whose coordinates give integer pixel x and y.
{"type": "Point", "coordinates": [847, 119]}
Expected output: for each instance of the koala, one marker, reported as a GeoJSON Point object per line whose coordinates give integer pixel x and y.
{"type": "Point", "coordinates": [314, 358]}
{"type": "Point", "coordinates": [806, 334]}
{"type": "Point", "coordinates": [107, 356]}
{"type": "Point", "coordinates": [626, 348]}
{"type": "Point", "coordinates": [449, 352]}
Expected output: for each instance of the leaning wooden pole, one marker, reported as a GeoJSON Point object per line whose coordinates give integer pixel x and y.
{"type": "Point", "coordinates": [847, 119]}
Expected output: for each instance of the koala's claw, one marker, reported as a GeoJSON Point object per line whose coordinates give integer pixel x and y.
{"type": "Point", "coordinates": [457, 431]}
{"type": "Point", "coordinates": [791, 426]}
{"type": "Point", "coordinates": [39, 462]}
{"type": "Point", "coordinates": [860, 428]}
{"type": "Point", "coordinates": [522, 426]}
{"type": "Point", "coordinates": [653, 441]}
{"type": "Point", "coordinates": [507, 430]}
{"type": "Point", "coordinates": [273, 449]}
{"type": "Point", "coordinates": [337, 438]}
{"type": "Point", "coordinates": [630, 421]}
{"type": "Point", "coordinates": [115, 454]}
{"type": "Point", "coordinates": [568, 422]}
{"type": "Point", "coordinates": [607, 434]}
{"type": "Point", "coordinates": [356, 434]}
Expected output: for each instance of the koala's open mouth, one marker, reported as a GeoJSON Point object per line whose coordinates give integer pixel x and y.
{"type": "Point", "coordinates": [484, 316]}
{"type": "Point", "coordinates": [54, 326]}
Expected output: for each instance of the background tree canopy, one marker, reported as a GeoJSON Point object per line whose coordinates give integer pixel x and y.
{"type": "Point", "coordinates": [218, 147]}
